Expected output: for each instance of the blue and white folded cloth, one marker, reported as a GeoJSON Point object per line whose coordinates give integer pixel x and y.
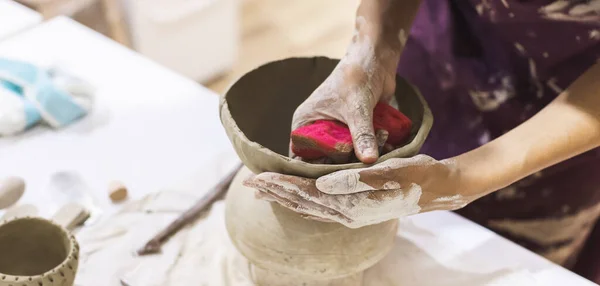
{"type": "Point", "coordinates": [30, 95]}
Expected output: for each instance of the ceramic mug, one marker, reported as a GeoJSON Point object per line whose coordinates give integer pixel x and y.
{"type": "Point", "coordinates": [37, 252]}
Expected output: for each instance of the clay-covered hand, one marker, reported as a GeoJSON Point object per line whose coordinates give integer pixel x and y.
{"type": "Point", "coordinates": [350, 93]}
{"type": "Point", "coordinates": [359, 197]}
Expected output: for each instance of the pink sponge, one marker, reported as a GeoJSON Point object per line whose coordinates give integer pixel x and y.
{"type": "Point", "coordinates": [393, 121]}
{"type": "Point", "coordinates": [332, 139]}
{"type": "Point", "coordinates": [323, 138]}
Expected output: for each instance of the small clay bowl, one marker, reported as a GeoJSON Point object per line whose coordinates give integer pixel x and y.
{"type": "Point", "coordinates": [36, 252]}
{"type": "Point", "coordinates": [257, 115]}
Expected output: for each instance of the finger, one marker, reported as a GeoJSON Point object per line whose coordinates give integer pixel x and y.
{"type": "Point", "coordinates": [381, 136]}
{"type": "Point", "coordinates": [274, 198]}
{"type": "Point", "coordinates": [298, 204]}
{"type": "Point", "coordinates": [316, 107]}
{"type": "Point", "coordinates": [398, 173]}
{"type": "Point", "coordinates": [343, 182]}
{"type": "Point", "coordinates": [352, 181]}
{"type": "Point", "coordinates": [260, 195]}
{"type": "Point", "coordinates": [303, 193]}
{"type": "Point", "coordinates": [360, 122]}
{"type": "Point", "coordinates": [387, 148]}
{"type": "Point", "coordinates": [315, 218]}
{"type": "Point", "coordinates": [286, 183]}
{"type": "Point", "coordinates": [389, 175]}
{"type": "Point", "coordinates": [290, 204]}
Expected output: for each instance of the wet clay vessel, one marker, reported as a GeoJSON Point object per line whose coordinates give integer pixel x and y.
{"type": "Point", "coordinates": [286, 249]}
{"type": "Point", "coordinates": [257, 111]}
{"type": "Point", "coordinates": [282, 247]}
{"type": "Point", "coordinates": [36, 252]}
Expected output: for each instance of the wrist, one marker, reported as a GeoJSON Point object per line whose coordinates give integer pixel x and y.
{"type": "Point", "coordinates": [470, 185]}
{"type": "Point", "coordinates": [381, 38]}
{"type": "Point", "coordinates": [373, 55]}
{"type": "Point", "coordinates": [485, 170]}
{"type": "Point", "coordinates": [386, 22]}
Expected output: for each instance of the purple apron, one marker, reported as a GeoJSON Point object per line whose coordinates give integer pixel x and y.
{"type": "Point", "coordinates": [486, 66]}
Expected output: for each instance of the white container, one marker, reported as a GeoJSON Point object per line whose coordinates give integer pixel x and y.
{"type": "Point", "coordinates": [196, 38]}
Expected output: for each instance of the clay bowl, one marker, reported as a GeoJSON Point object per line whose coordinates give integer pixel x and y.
{"type": "Point", "coordinates": [282, 247]}
{"type": "Point", "coordinates": [35, 251]}
{"type": "Point", "coordinates": [257, 114]}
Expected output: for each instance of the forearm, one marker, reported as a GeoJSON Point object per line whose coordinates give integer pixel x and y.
{"type": "Point", "coordinates": [385, 25]}
{"type": "Point", "coordinates": [567, 127]}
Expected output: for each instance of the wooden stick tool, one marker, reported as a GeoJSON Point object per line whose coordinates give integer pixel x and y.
{"type": "Point", "coordinates": [216, 193]}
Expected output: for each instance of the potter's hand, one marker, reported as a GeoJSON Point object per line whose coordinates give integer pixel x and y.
{"type": "Point", "coordinates": [365, 75]}
{"type": "Point", "coordinates": [359, 197]}
{"type": "Point", "coordinates": [349, 94]}
{"type": "Point", "coordinates": [400, 187]}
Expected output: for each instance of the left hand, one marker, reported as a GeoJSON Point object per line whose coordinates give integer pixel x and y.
{"type": "Point", "coordinates": [360, 197]}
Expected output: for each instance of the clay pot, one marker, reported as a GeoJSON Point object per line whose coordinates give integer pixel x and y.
{"type": "Point", "coordinates": [286, 249]}
{"type": "Point", "coordinates": [282, 247]}
{"type": "Point", "coordinates": [35, 251]}
{"type": "Point", "coordinates": [257, 115]}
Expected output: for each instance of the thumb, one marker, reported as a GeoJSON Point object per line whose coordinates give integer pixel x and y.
{"type": "Point", "coordinates": [360, 123]}
{"type": "Point", "coordinates": [343, 182]}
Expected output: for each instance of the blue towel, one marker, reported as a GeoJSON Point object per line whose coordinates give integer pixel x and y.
{"type": "Point", "coordinates": [30, 94]}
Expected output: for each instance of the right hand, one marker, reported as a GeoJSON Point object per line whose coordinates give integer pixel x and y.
{"type": "Point", "coordinates": [363, 77]}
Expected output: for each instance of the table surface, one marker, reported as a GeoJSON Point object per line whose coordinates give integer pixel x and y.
{"type": "Point", "coordinates": [15, 18]}
{"type": "Point", "coordinates": [156, 130]}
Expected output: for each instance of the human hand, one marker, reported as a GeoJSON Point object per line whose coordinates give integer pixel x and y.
{"type": "Point", "coordinates": [360, 197]}
{"type": "Point", "coordinates": [361, 79]}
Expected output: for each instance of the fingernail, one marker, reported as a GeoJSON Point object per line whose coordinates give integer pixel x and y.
{"type": "Point", "coordinates": [326, 184]}
{"type": "Point", "coordinates": [382, 137]}
{"type": "Point", "coordinates": [342, 182]}
{"type": "Point", "coordinates": [369, 155]}
{"type": "Point", "coordinates": [367, 148]}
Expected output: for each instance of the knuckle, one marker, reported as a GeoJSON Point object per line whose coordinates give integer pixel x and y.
{"type": "Point", "coordinates": [300, 112]}
{"type": "Point", "coordinates": [363, 135]}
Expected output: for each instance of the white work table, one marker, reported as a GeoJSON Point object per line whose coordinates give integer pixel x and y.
{"type": "Point", "coordinates": [150, 128]}
{"type": "Point", "coordinates": [156, 130]}
{"type": "Point", "coordinates": [15, 18]}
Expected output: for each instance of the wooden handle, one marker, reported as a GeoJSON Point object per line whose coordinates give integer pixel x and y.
{"type": "Point", "coordinates": [216, 193]}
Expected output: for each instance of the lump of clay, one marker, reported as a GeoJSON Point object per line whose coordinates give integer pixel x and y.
{"type": "Point", "coordinates": [11, 190]}
{"type": "Point", "coordinates": [71, 215]}
{"type": "Point", "coordinates": [333, 140]}
{"type": "Point", "coordinates": [117, 191]}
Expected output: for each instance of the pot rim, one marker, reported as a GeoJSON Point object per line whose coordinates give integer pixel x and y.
{"type": "Point", "coordinates": [227, 118]}
{"type": "Point", "coordinates": [72, 255]}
